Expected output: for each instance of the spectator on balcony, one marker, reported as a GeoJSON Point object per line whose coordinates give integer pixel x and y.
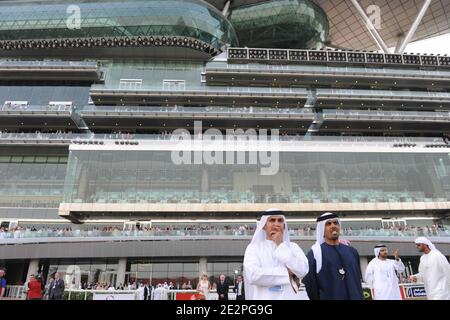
{"type": "Point", "coordinates": [34, 288]}
{"type": "Point", "coordinates": [382, 274]}
{"type": "Point", "coordinates": [141, 291]}
{"type": "Point", "coordinates": [2, 283]}
{"type": "Point", "coordinates": [204, 286]}
{"type": "Point", "coordinates": [222, 288]}
{"type": "Point", "coordinates": [434, 271]}
{"type": "Point", "coordinates": [239, 288]}
{"type": "Point", "coordinates": [334, 270]}
{"type": "Point", "coordinates": [446, 138]}
{"type": "Point", "coordinates": [147, 291]}
{"type": "Point", "coordinates": [159, 293]}
{"type": "Point", "coordinates": [56, 288]}
{"type": "Point", "coordinates": [273, 264]}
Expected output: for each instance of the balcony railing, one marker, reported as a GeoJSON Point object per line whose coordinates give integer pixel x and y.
{"type": "Point", "coordinates": [196, 110]}
{"type": "Point", "coordinates": [7, 107]}
{"type": "Point", "coordinates": [233, 234]}
{"type": "Point", "coordinates": [48, 64]}
{"type": "Point", "coordinates": [390, 72]}
{"type": "Point", "coordinates": [391, 115]}
{"type": "Point", "coordinates": [384, 94]}
{"type": "Point", "coordinates": [336, 57]}
{"type": "Point", "coordinates": [199, 90]}
{"type": "Point", "coordinates": [11, 136]}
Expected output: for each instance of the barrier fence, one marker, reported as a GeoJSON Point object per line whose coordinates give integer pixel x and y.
{"type": "Point", "coordinates": [408, 291]}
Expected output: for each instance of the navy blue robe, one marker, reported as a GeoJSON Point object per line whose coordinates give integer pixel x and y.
{"type": "Point", "coordinates": [328, 283]}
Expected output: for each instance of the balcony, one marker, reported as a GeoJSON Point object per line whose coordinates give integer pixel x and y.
{"type": "Point", "coordinates": [49, 70]}
{"type": "Point", "coordinates": [223, 73]}
{"type": "Point", "coordinates": [385, 121]}
{"type": "Point", "coordinates": [178, 116]}
{"type": "Point", "coordinates": [382, 99]}
{"type": "Point", "coordinates": [48, 236]}
{"type": "Point", "coordinates": [198, 95]}
{"type": "Point", "coordinates": [337, 57]}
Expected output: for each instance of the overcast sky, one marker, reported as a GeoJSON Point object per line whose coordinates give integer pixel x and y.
{"type": "Point", "coordinates": [437, 45]}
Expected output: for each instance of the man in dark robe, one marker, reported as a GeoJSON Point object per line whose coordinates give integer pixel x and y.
{"type": "Point", "coordinates": [334, 269]}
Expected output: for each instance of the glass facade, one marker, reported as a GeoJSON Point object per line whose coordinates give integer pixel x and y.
{"type": "Point", "coordinates": [40, 94]}
{"type": "Point", "coordinates": [154, 74]}
{"type": "Point", "coordinates": [80, 272]}
{"type": "Point", "coordinates": [159, 272]}
{"type": "Point", "coordinates": [303, 177]}
{"type": "Point", "coordinates": [113, 18]}
{"type": "Point", "coordinates": [229, 269]}
{"type": "Point", "coordinates": [32, 181]}
{"type": "Point", "coordinates": [281, 24]}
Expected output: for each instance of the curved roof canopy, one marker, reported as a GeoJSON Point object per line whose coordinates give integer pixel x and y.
{"type": "Point", "coordinates": [208, 30]}
{"type": "Point", "coordinates": [281, 24]}
{"type": "Point", "coordinates": [20, 20]}
{"type": "Point", "coordinates": [347, 29]}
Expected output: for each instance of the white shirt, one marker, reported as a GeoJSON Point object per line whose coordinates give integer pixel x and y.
{"type": "Point", "coordinates": [381, 276]}
{"type": "Point", "coordinates": [203, 286]}
{"type": "Point", "coordinates": [434, 272]}
{"type": "Point", "coordinates": [265, 268]}
{"type": "Point", "coordinates": [141, 292]}
{"type": "Point", "coordinates": [159, 293]}
{"type": "Point", "coordinates": [239, 289]}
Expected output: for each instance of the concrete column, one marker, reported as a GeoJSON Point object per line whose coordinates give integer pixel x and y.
{"type": "Point", "coordinates": [226, 8]}
{"type": "Point", "coordinates": [83, 183]}
{"type": "Point", "coordinates": [323, 182]}
{"type": "Point", "coordinates": [33, 268]}
{"type": "Point", "coordinates": [363, 261]}
{"type": "Point", "coordinates": [202, 266]}
{"type": "Point", "coordinates": [204, 187]}
{"type": "Point", "coordinates": [415, 25]}
{"type": "Point", "coordinates": [121, 269]}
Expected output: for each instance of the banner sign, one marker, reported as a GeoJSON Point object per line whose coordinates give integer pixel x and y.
{"type": "Point", "coordinates": [113, 296]}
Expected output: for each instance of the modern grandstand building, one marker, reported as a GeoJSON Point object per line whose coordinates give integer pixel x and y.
{"type": "Point", "coordinates": [90, 92]}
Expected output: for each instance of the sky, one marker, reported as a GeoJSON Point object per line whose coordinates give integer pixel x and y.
{"type": "Point", "coordinates": [436, 45]}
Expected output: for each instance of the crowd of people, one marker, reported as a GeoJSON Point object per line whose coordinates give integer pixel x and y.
{"type": "Point", "coordinates": [35, 288]}
{"type": "Point", "coordinates": [200, 230]}
{"type": "Point", "coordinates": [274, 266]}
{"type": "Point", "coordinates": [168, 134]}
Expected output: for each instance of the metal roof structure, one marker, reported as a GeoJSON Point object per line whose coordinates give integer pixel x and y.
{"type": "Point", "coordinates": [348, 30]}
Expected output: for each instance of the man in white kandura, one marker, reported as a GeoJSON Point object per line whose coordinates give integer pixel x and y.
{"type": "Point", "coordinates": [273, 266]}
{"type": "Point", "coordinates": [381, 274]}
{"type": "Point", "coordinates": [434, 271]}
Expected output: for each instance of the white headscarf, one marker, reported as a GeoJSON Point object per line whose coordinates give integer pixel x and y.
{"type": "Point", "coordinates": [320, 229]}
{"type": "Point", "coordinates": [423, 240]}
{"type": "Point", "coordinates": [377, 249]}
{"type": "Point", "coordinates": [260, 236]}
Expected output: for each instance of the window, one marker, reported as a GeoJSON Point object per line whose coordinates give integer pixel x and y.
{"type": "Point", "coordinates": [174, 85]}
{"type": "Point", "coordinates": [13, 105]}
{"type": "Point", "coordinates": [131, 84]}
{"type": "Point", "coordinates": [60, 105]}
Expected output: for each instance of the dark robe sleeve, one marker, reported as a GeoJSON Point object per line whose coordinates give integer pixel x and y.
{"type": "Point", "coordinates": [310, 280]}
